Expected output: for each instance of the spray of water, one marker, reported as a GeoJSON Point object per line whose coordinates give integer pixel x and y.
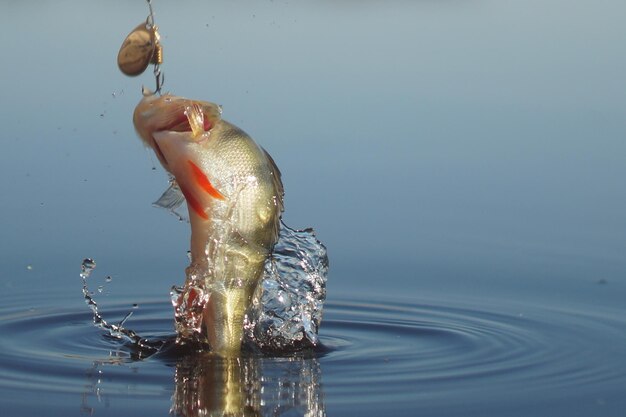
{"type": "Point", "coordinates": [286, 309]}
{"type": "Point", "coordinates": [117, 331]}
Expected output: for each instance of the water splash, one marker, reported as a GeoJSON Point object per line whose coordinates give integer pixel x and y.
{"type": "Point", "coordinates": [188, 302]}
{"type": "Point", "coordinates": [144, 346]}
{"type": "Point", "coordinates": [286, 309]}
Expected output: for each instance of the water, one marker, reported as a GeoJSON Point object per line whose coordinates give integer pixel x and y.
{"type": "Point", "coordinates": [464, 163]}
{"type": "Point", "coordinates": [430, 356]}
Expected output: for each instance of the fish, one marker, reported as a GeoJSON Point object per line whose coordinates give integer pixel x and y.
{"type": "Point", "coordinates": [234, 195]}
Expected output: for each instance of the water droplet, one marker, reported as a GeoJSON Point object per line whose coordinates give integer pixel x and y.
{"type": "Point", "coordinates": [189, 255]}
{"type": "Point", "coordinates": [175, 293]}
{"type": "Point", "coordinates": [108, 278]}
{"type": "Point", "coordinates": [88, 266]}
{"type": "Point", "coordinates": [29, 267]}
{"type": "Point", "coordinates": [135, 305]}
{"type": "Point", "coordinates": [100, 288]}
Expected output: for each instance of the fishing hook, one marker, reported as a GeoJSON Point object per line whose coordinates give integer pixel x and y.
{"type": "Point", "coordinates": [157, 57]}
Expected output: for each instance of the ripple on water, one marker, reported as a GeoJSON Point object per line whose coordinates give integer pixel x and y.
{"type": "Point", "coordinates": [448, 354]}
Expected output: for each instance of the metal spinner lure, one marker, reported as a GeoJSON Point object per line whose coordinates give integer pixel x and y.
{"type": "Point", "coordinates": [141, 48]}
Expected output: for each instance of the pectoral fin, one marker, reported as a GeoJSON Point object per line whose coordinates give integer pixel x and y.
{"type": "Point", "coordinates": [203, 181]}
{"type": "Point", "coordinates": [171, 200]}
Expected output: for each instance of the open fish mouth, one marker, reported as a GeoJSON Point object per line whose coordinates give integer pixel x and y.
{"type": "Point", "coordinates": [191, 119]}
{"type": "Point", "coordinates": [169, 113]}
{"type": "Point", "coordinates": [197, 118]}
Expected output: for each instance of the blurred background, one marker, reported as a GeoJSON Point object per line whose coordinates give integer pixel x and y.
{"type": "Point", "coordinates": [462, 145]}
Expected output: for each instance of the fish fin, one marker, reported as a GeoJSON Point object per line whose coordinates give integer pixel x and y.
{"type": "Point", "coordinates": [276, 177]}
{"type": "Point", "coordinates": [171, 200]}
{"type": "Point", "coordinates": [194, 204]}
{"type": "Point", "coordinates": [203, 181]}
{"type": "Point", "coordinates": [280, 192]}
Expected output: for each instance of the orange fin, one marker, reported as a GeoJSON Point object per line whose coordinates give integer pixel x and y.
{"type": "Point", "coordinates": [194, 204]}
{"type": "Point", "coordinates": [203, 181]}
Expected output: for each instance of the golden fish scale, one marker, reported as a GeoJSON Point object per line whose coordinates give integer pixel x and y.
{"type": "Point", "coordinates": [249, 180]}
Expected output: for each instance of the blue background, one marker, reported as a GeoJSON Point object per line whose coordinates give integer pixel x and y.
{"type": "Point", "coordinates": [425, 141]}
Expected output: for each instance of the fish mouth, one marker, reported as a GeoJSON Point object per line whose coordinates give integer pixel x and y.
{"type": "Point", "coordinates": [191, 119]}
{"type": "Point", "coordinates": [155, 115]}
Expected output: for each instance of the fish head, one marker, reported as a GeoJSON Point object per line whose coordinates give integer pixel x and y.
{"type": "Point", "coordinates": [169, 113]}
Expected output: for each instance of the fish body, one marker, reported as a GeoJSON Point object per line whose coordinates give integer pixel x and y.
{"type": "Point", "coordinates": [234, 196]}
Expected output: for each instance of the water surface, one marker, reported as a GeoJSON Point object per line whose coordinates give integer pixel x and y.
{"type": "Point", "coordinates": [433, 355]}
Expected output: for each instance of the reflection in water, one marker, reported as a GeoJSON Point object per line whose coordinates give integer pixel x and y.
{"type": "Point", "coordinates": [247, 386]}
{"type": "Point", "coordinates": [207, 385]}
{"type": "Point", "coordinates": [94, 381]}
